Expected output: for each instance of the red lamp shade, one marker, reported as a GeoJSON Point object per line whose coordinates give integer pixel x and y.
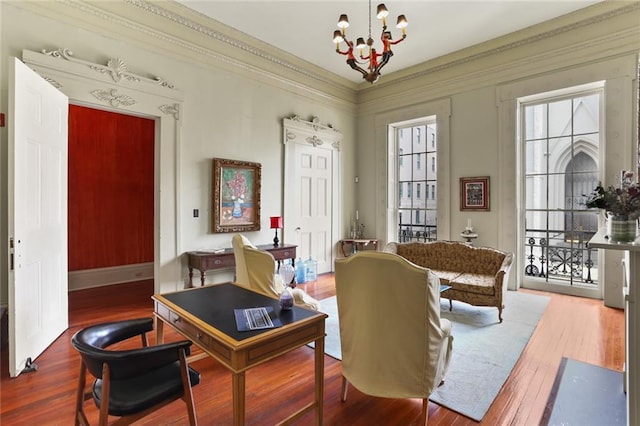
{"type": "Point", "coordinates": [276, 222]}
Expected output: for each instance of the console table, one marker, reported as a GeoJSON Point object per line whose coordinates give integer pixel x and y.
{"type": "Point", "coordinates": [632, 319]}
{"type": "Point", "coordinates": [209, 260]}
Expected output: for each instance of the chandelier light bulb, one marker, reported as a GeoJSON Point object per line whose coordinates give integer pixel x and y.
{"type": "Point", "coordinates": [343, 21]}
{"type": "Point", "coordinates": [402, 24]}
{"type": "Point", "coordinates": [382, 13]}
{"type": "Point", "coordinates": [337, 37]}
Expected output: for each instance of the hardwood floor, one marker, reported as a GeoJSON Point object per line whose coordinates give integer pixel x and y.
{"type": "Point", "coordinates": [582, 329]}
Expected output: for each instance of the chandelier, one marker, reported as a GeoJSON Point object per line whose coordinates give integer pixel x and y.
{"type": "Point", "coordinates": [370, 65]}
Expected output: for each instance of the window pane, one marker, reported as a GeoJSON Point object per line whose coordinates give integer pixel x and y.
{"type": "Point", "coordinates": [404, 141]}
{"type": "Point", "coordinates": [536, 189]}
{"type": "Point", "coordinates": [536, 157]}
{"type": "Point", "coordinates": [535, 121]}
{"type": "Point", "coordinates": [586, 114]}
{"type": "Point", "coordinates": [560, 118]}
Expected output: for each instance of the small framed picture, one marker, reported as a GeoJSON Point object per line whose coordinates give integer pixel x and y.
{"type": "Point", "coordinates": [236, 196]}
{"type": "Point", "coordinates": [474, 193]}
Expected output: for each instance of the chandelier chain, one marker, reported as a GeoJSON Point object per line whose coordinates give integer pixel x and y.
{"type": "Point", "coordinates": [370, 19]}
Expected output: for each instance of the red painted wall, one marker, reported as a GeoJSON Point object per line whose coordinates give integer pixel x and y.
{"type": "Point", "coordinates": [111, 159]}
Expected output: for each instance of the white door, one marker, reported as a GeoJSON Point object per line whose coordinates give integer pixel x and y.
{"type": "Point", "coordinates": [38, 304]}
{"type": "Point", "coordinates": [312, 204]}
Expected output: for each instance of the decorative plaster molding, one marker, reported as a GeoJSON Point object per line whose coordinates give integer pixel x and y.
{"type": "Point", "coordinates": [290, 135]}
{"type": "Point", "coordinates": [113, 98]}
{"type": "Point", "coordinates": [219, 36]}
{"type": "Point", "coordinates": [314, 140]}
{"type": "Point", "coordinates": [314, 124]}
{"type": "Point", "coordinates": [172, 110]}
{"type": "Point", "coordinates": [53, 82]}
{"type": "Point", "coordinates": [312, 132]}
{"type": "Point", "coordinates": [93, 9]}
{"type": "Point", "coordinates": [116, 68]}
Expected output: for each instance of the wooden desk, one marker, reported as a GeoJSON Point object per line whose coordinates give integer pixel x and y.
{"type": "Point", "coordinates": [207, 261]}
{"type": "Point", "coordinates": [205, 316]}
{"type": "Point", "coordinates": [357, 245]}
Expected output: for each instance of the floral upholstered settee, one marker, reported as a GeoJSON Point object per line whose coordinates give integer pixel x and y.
{"type": "Point", "coordinates": [477, 275]}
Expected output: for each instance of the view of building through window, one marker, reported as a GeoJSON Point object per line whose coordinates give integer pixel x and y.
{"type": "Point", "coordinates": [561, 139]}
{"type": "Point", "coordinates": [417, 180]}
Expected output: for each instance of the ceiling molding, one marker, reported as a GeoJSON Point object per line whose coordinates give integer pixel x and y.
{"type": "Point", "coordinates": [591, 44]}
{"type": "Point", "coordinates": [517, 39]}
{"type": "Point", "coordinates": [151, 26]}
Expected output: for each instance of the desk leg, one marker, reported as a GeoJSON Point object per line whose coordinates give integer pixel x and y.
{"type": "Point", "coordinates": [238, 381]}
{"type": "Point", "coordinates": [190, 277]}
{"type": "Point", "coordinates": [159, 331]}
{"type": "Point", "coordinates": [319, 358]}
{"type": "Point", "coordinates": [342, 248]}
{"type": "Point", "coordinates": [202, 278]}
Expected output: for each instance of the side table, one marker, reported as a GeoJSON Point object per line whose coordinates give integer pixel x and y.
{"type": "Point", "coordinates": [358, 244]}
{"type": "Point", "coordinates": [207, 261]}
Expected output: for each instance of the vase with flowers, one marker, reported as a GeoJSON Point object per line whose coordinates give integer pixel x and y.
{"type": "Point", "coordinates": [622, 206]}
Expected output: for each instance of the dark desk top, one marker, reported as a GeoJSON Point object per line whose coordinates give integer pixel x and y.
{"type": "Point", "coordinates": [214, 305]}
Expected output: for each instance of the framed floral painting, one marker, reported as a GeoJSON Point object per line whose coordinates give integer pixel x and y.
{"type": "Point", "coordinates": [236, 196]}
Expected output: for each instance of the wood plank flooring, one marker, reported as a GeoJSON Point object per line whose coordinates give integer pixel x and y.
{"type": "Point", "coordinates": [577, 328]}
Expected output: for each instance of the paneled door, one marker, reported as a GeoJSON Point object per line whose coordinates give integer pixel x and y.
{"type": "Point", "coordinates": [38, 304]}
{"type": "Point", "coordinates": [311, 194]}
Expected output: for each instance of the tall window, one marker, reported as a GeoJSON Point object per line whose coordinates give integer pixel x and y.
{"type": "Point", "coordinates": [417, 213]}
{"type": "Point", "coordinates": [561, 137]}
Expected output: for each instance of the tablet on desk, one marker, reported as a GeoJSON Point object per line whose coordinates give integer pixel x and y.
{"type": "Point", "coordinates": [255, 318]}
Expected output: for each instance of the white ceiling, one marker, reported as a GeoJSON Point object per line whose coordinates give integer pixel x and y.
{"type": "Point", "coordinates": [305, 28]}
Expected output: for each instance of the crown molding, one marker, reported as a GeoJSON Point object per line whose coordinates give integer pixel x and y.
{"type": "Point", "coordinates": [171, 29]}
{"type": "Point", "coordinates": [587, 41]}
{"type": "Point", "coordinates": [174, 29]}
{"type": "Point", "coordinates": [548, 30]}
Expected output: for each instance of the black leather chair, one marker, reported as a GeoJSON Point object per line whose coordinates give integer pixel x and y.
{"type": "Point", "coordinates": [131, 383]}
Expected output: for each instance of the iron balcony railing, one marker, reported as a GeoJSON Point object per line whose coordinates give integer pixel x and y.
{"type": "Point", "coordinates": [560, 255]}
{"type": "Point", "coordinates": [411, 232]}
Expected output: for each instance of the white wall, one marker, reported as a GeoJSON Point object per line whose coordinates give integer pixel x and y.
{"type": "Point", "coordinates": [470, 80]}
{"type": "Point", "coordinates": [235, 99]}
{"type": "Point", "coordinates": [229, 111]}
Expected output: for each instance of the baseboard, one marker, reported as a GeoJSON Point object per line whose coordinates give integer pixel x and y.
{"type": "Point", "coordinates": [98, 277]}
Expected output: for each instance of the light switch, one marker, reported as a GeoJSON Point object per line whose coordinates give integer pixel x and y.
{"type": "Point", "coordinates": [196, 213]}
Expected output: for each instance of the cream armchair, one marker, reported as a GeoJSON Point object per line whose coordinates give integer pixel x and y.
{"type": "Point", "coordinates": [394, 343]}
{"type": "Point", "coordinates": [256, 270]}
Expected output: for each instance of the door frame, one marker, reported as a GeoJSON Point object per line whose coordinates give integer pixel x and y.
{"type": "Point", "coordinates": [311, 133]}
{"type": "Point", "coordinates": [112, 87]}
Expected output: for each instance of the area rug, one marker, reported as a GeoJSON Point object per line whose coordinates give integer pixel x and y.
{"type": "Point", "coordinates": [484, 350]}
{"type": "Point", "coordinates": [586, 395]}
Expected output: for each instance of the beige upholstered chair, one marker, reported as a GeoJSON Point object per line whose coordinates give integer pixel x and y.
{"type": "Point", "coordinates": [394, 343]}
{"type": "Point", "coordinates": [256, 269]}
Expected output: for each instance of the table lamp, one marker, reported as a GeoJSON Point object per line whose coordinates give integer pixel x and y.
{"type": "Point", "coordinates": [276, 223]}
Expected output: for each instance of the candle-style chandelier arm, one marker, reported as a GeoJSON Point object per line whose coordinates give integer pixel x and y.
{"type": "Point", "coordinates": [374, 65]}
